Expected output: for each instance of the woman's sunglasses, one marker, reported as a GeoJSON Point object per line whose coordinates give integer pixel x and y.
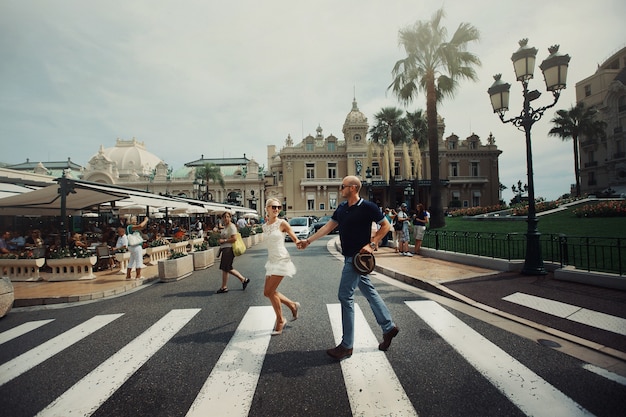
{"type": "Point", "coordinates": [276, 207]}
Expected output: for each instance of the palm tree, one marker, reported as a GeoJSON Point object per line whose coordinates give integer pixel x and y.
{"type": "Point", "coordinates": [434, 65]}
{"type": "Point", "coordinates": [570, 124]}
{"type": "Point", "coordinates": [419, 135]}
{"type": "Point", "coordinates": [389, 130]}
{"type": "Point", "coordinates": [208, 172]}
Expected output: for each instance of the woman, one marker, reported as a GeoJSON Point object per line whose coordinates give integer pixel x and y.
{"type": "Point", "coordinates": [420, 220]}
{"type": "Point", "coordinates": [136, 251]}
{"type": "Point", "coordinates": [403, 235]}
{"type": "Point", "coordinates": [228, 235]}
{"type": "Point", "coordinates": [76, 242]}
{"type": "Point", "coordinates": [278, 263]}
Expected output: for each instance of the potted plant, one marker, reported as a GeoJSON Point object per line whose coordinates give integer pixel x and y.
{"type": "Point", "coordinates": [177, 266]}
{"type": "Point", "coordinates": [245, 233]}
{"type": "Point", "coordinates": [178, 245]}
{"type": "Point", "coordinates": [21, 267]}
{"type": "Point", "coordinates": [7, 296]}
{"type": "Point", "coordinates": [158, 249]}
{"type": "Point", "coordinates": [122, 255]}
{"type": "Point", "coordinates": [71, 265]}
{"type": "Point", "coordinates": [203, 256]}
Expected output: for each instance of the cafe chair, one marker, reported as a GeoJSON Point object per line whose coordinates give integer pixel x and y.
{"type": "Point", "coordinates": [105, 258]}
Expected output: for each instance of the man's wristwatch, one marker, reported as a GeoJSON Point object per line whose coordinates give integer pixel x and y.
{"type": "Point", "coordinates": [373, 245]}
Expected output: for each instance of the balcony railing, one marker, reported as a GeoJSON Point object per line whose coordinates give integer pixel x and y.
{"type": "Point", "coordinates": [585, 253]}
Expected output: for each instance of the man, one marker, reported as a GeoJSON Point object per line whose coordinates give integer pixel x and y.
{"type": "Point", "coordinates": [354, 218]}
{"type": "Point", "coordinates": [4, 242]}
{"type": "Point", "coordinates": [241, 223]}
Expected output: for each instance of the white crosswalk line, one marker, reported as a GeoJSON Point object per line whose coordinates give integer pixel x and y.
{"type": "Point", "coordinates": [22, 329]}
{"type": "Point", "coordinates": [372, 386]}
{"type": "Point", "coordinates": [570, 312]}
{"type": "Point", "coordinates": [229, 389]}
{"type": "Point", "coordinates": [84, 398]}
{"type": "Point", "coordinates": [527, 390]}
{"type": "Point", "coordinates": [35, 356]}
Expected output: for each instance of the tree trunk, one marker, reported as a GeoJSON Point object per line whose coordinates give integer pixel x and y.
{"type": "Point", "coordinates": [437, 220]}
{"type": "Point", "coordinates": [576, 165]}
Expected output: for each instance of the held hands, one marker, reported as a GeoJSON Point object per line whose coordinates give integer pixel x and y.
{"type": "Point", "coordinates": [302, 244]}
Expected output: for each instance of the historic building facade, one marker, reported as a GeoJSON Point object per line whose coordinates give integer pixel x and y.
{"type": "Point", "coordinates": [603, 161]}
{"type": "Point", "coordinates": [306, 176]}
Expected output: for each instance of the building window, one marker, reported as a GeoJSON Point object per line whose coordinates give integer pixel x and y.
{"type": "Point", "coordinates": [474, 169]}
{"type": "Point", "coordinates": [590, 155]}
{"type": "Point", "coordinates": [310, 171]}
{"type": "Point", "coordinates": [452, 145]}
{"type": "Point", "coordinates": [375, 169]}
{"type": "Point", "coordinates": [322, 206]}
{"type": "Point", "coordinates": [587, 90]}
{"type": "Point", "coordinates": [309, 146]}
{"type": "Point", "coordinates": [454, 169]}
{"type": "Point", "coordinates": [592, 178]}
{"type": "Point", "coordinates": [476, 199]}
{"type": "Point", "coordinates": [332, 201]}
{"type": "Point", "coordinates": [332, 146]}
{"type": "Point", "coordinates": [472, 145]}
{"type": "Point", "coordinates": [396, 168]}
{"type": "Point", "coordinates": [332, 170]}
{"type": "Point", "coordinates": [621, 104]}
{"type": "Point", "coordinates": [310, 204]}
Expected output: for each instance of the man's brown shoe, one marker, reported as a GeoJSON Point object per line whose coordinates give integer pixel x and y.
{"type": "Point", "coordinates": [339, 352]}
{"type": "Point", "coordinates": [384, 345]}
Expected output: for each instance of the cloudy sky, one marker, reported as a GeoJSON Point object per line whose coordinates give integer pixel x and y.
{"type": "Point", "coordinates": [221, 79]}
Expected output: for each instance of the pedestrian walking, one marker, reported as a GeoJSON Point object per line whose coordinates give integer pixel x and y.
{"type": "Point", "coordinates": [354, 218]}
{"type": "Point", "coordinates": [403, 234]}
{"type": "Point", "coordinates": [420, 220]}
{"type": "Point", "coordinates": [278, 263]}
{"type": "Point", "coordinates": [136, 251]}
{"type": "Point", "coordinates": [228, 235]}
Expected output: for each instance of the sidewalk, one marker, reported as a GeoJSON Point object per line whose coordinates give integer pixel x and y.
{"type": "Point", "coordinates": [569, 305]}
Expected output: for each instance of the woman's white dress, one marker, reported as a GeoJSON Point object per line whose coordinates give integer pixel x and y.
{"type": "Point", "coordinates": [278, 260]}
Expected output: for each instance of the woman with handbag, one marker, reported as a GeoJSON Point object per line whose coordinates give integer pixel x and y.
{"type": "Point", "coordinates": [278, 263]}
{"type": "Point", "coordinates": [228, 235]}
{"type": "Point", "coordinates": [135, 247]}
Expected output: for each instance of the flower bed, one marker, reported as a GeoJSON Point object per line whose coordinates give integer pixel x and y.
{"type": "Point", "coordinates": [21, 269]}
{"type": "Point", "coordinates": [610, 208]}
{"type": "Point", "coordinates": [71, 269]}
{"type": "Point", "coordinates": [176, 268]}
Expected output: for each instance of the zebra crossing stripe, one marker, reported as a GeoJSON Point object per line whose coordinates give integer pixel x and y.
{"type": "Point", "coordinates": [527, 390]}
{"type": "Point", "coordinates": [230, 387]}
{"type": "Point", "coordinates": [372, 386]}
{"type": "Point", "coordinates": [570, 312]}
{"type": "Point", "coordinates": [22, 329]}
{"type": "Point", "coordinates": [35, 356]}
{"type": "Point", "coordinates": [84, 398]}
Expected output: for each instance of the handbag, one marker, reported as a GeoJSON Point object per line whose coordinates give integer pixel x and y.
{"type": "Point", "coordinates": [239, 248]}
{"type": "Point", "coordinates": [135, 239]}
{"type": "Point", "coordinates": [397, 225]}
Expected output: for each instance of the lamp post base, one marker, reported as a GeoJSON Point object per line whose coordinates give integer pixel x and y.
{"type": "Point", "coordinates": [533, 263]}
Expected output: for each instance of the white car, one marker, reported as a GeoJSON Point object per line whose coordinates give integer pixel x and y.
{"type": "Point", "coordinates": [302, 227]}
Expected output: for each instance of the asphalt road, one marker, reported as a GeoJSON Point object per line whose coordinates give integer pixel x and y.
{"type": "Point", "coordinates": [171, 349]}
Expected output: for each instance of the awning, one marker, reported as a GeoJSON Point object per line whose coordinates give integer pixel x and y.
{"type": "Point", "coordinates": [81, 195]}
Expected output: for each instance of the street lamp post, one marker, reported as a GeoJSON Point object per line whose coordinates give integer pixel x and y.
{"type": "Point", "coordinates": [554, 69]}
{"type": "Point", "coordinates": [368, 181]}
{"type": "Point", "coordinates": [408, 195]}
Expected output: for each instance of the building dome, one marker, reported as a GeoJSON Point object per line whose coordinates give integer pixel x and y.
{"type": "Point", "coordinates": [355, 116]}
{"type": "Point", "coordinates": [131, 157]}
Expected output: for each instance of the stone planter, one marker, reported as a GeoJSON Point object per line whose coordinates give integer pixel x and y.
{"type": "Point", "coordinates": [179, 247]}
{"type": "Point", "coordinates": [72, 269]}
{"type": "Point", "coordinates": [203, 259]}
{"type": "Point", "coordinates": [193, 242]}
{"type": "Point", "coordinates": [175, 269]}
{"type": "Point", "coordinates": [157, 253]}
{"type": "Point", "coordinates": [6, 296]}
{"type": "Point", "coordinates": [123, 259]}
{"type": "Point", "coordinates": [21, 269]}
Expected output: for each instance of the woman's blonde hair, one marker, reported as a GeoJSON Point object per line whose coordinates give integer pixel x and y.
{"type": "Point", "coordinates": [268, 202]}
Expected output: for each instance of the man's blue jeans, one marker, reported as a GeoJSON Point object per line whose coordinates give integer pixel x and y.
{"type": "Point", "coordinates": [350, 279]}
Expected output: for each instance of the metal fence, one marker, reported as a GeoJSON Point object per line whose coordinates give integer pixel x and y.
{"type": "Point", "coordinates": [585, 253]}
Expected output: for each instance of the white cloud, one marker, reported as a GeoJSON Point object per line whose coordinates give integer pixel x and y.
{"type": "Point", "coordinates": [191, 78]}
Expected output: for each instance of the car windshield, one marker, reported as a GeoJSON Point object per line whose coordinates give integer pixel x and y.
{"type": "Point", "coordinates": [325, 219]}
{"type": "Point", "coordinates": [298, 221]}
